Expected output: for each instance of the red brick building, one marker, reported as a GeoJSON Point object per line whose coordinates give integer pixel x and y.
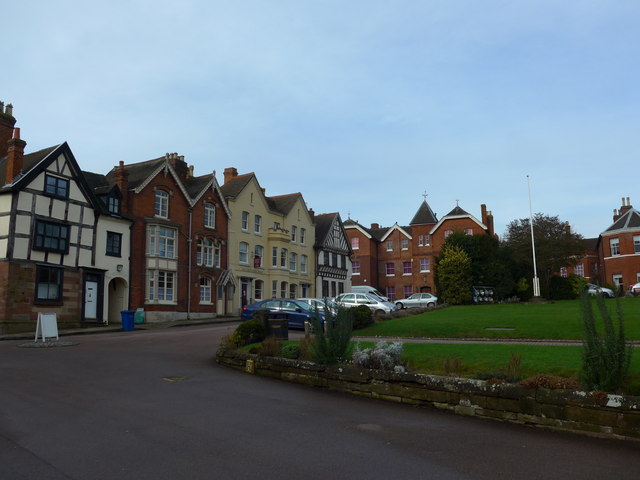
{"type": "Point", "coordinates": [400, 260]}
{"type": "Point", "coordinates": [178, 239]}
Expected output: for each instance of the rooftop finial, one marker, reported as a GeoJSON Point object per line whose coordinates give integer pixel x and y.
{"type": "Point", "coordinates": [425, 195]}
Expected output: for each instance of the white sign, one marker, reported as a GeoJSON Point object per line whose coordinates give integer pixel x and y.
{"type": "Point", "coordinates": [47, 326]}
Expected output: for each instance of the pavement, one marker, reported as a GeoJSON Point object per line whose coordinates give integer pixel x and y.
{"type": "Point", "coordinates": [117, 327]}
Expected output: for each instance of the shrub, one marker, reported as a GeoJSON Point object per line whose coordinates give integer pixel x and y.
{"type": "Point", "coordinates": [305, 349]}
{"type": "Point", "coordinates": [250, 331]}
{"type": "Point", "coordinates": [271, 347]}
{"type": "Point", "coordinates": [605, 359]}
{"type": "Point", "coordinates": [560, 288]}
{"type": "Point", "coordinates": [331, 344]}
{"type": "Point", "coordinates": [362, 317]}
{"type": "Point", "coordinates": [513, 368]}
{"type": "Point", "coordinates": [290, 350]}
{"type": "Point", "coordinates": [384, 356]}
{"type": "Point", "coordinates": [551, 382]}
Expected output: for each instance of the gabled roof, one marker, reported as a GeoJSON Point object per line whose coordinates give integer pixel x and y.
{"type": "Point", "coordinates": [355, 225]}
{"type": "Point", "coordinates": [424, 215]}
{"type": "Point", "coordinates": [629, 221]}
{"type": "Point", "coordinates": [397, 227]}
{"type": "Point", "coordinates": [197, 186]}
{"type": "Point", "coordinates": [138, 173]}
{"type": "Point", "coordinates": [284, 203]}
{"type": "Point", "coordinates": [233, 187]}
{"type": "Point", "coordinates": [323, 222]}
{"type": "Point", "coordinates": [456, 213]}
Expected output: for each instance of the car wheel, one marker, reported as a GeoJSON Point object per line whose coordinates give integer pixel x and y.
{"type": "Point", "coordinates": [378, 313]}
{"type": "Point", "coordinates": [431, 305]}
{"type": "Point", "coordinates": [399, 305]}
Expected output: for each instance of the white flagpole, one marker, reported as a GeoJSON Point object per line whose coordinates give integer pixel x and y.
{"type": "Point", "coordinates": [536, 281]}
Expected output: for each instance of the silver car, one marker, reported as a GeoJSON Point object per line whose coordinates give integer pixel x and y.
{"type": "Point", "coordinates": [377, 305]}
{"type": "Point", "coordinates": [597, 290]}
{"type": "Point", "coordinates": [320, 304]}
{"type": "Point", "coordinates": [418, 300]}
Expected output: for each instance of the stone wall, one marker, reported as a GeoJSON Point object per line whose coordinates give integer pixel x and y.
{"type": "Point", "coordinates": [590, 413]}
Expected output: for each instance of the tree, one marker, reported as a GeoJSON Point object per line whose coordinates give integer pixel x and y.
{"type": "Point", "coordinates": [491, 264]}
{"type": "Point", "coordinates": [454, 275]}
{"type": "Point", "coordinates": [556, 246]}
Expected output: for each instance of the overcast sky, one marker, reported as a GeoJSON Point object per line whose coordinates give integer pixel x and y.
{"type": "Point", "coordinates": [362, 106]}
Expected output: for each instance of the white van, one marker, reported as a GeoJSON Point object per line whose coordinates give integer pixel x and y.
{"type": "Point", "coordinates": [368, 289]}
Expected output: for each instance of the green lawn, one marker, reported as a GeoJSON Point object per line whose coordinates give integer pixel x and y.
{"type": "Point", "coordinates": [558, 320]}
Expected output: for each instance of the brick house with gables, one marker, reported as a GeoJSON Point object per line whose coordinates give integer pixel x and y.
{"type": "Point", "coordinates": [178, 239]}
{"type": "Point", "coordinates": [399, 260]}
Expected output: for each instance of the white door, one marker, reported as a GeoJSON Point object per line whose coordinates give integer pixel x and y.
{"type": "Point", "coordinates": [91, 300]}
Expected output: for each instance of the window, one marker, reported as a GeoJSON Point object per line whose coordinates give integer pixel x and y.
{"type": "Point", "coordinates": [420, 240]}
{"type": "Point", "coordinates": [391, 293]}
{"type": "Point", "coordinates": [160, 285]}
{"type": "Point", "coordinates": [283, 289]}
{"type": "Point", "coordinates": [257, 258]}
{"type": "Point", "coordinates": [614, 243]}
{"type": "Point", "coordinates": [355, 243]}
{"type": "Point", "coordinates": [294, 233]}
{"type": "Point", "coordinates": [283, 258]}
{"type": "Point", "coordinates": [390, 269]}
{"type": "Point", "coordinates": [274, 256]}
{"type": "Point", "coordinates": [578, 269]}
{"type": "Point", "coordinates": [276, 225]}
{"type": "Point", "coordinates": [406, 268]}
{"type": "Point", "coordinates": [161, 241]}
{"type": "Point", "coordinates": [468, 231]}
{"type": "Point", "coordinates": [425, 265]}
{"type": "Point", "coordinates": [334, 259]}
{"type": "Point", "coordinates": [563, 272]}
{"type": "Point", "coordinates": [274, 288]}
{"type": "Point", "coordinates": [636, 244]}
{"type": "Point", "coordinates": [303, 235]}
{"type": "Point", "coordinates": [293, 261]}
{"type": "Point", "coordinates": [48, 284]}
{"type": "Point", "coordinates": [113, 204]}
{"type": "Point", "coordinates": [404, 244]}
{"type": "Point", "coordinates": [56, 187]}
{"type": "Point", "coordinates": [617, 280]}
{"type": "Point", "coordinates": [161, 206]}
{"type": "Point", "coordinates": [303, 264]}
{"type": "Point", "coordinates": [114, 244]}
{"type": "Point", "coordinates": [408, 290]}
{"type": "Point", "coordinates": [355, 268]}
{"type": "Point", "coordinates": [216, 255]}
{"type": "Point", "coordinates": [243, 253]}
{"type": "Point", "coordinates": [447, 233]}
{"type": "Point", "coordinates": [209, 215]}
{"type": "Point", "coordinates": [245, 221]}
{"type": "Point", "coordinates": [257, 224]}
{"type": "Point", "coordinates": [427, 240]}
{"type": "Point", "coordinates": [258, 289]}
{"type": "Point", "coordinates": [205, 252]}
{"type": "Point", "coordinates": [205, 290]}
{"type": "Point", "coordinates": [51, 237]}
{"type": "Point", "coordinates": [293, 290]}
{"type": "Point", "coordinates": [389, 245]}
{"type": "Point", "coordinates": [325, 288]}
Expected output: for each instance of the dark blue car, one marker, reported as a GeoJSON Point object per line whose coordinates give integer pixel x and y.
{"type": "Point", "coordinates": [297, 312]}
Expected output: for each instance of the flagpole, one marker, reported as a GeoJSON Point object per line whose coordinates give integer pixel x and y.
{"type": "Point", "coordinates": [536, 281]}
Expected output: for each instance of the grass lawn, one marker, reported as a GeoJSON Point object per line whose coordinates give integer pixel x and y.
{"type": "Point", "coordinates": [558, 320]}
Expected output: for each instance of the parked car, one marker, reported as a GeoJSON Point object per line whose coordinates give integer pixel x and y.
{"type": "Point", "coordinates": [297, 312]}
{"type": "Point", "coordinates": [377, 305]}
{"type": "Point", "coordinates": [417, 300]}
{"type": "Point", "coordinates": [320, 304]}
{"type": "Point", "coordinates": [597, 290]}
{"type": "Point", "coordinates": [368, 289]}
{"type": "Point", "coordinates": [634, 289]}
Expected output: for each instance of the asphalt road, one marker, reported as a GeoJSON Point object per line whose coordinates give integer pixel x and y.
{"type": "Point", "coordinates": [154, 405]}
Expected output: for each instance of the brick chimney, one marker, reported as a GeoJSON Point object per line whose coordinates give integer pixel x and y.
{"type": "Point", "coordinates": [230, 173]}
{"type": "Point", "coordinates": [179, 165]}
{"type": "Point", "coordinates": [122, 181]}
{"type": "Point", "coordinates": [7, 122]}
{"type": "Point", "coordinates": [15, 156]}
{"type": "Point", "coordinates": [375, 226]}
{"type": "Point", "coordinates": [626, 206]}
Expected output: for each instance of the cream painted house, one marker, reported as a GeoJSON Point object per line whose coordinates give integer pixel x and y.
{"type": "Point", "coordinates": [270, 242]}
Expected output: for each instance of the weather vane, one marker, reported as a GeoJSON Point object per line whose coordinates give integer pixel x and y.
{"type": "Point", "coordinates": [425, 195]}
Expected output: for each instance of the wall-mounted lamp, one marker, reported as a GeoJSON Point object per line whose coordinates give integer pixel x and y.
{"type": "Point", "coordinates": [119, 268]}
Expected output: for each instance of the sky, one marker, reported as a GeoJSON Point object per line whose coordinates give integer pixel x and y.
{"type": "Point", "coordinates": [362, 106]}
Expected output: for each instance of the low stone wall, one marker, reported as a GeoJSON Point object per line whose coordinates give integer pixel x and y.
{"type": "Point", "coordinates": [591, 413]}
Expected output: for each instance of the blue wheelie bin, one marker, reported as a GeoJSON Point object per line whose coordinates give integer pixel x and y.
{"type": "Point", "coordinates": [127, 320]}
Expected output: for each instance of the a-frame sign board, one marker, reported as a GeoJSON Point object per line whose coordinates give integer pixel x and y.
{"type": "Point", "coordinates": [47, 326]}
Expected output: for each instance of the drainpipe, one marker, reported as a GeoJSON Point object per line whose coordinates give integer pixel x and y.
{"type": "Point", "coordinates": [189, 267]}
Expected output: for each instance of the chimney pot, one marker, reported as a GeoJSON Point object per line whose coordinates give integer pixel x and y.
{"type": "Point", "coordinates": [9, 109]}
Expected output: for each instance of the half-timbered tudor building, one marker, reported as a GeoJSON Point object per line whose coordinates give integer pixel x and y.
{"type": "Point", "coordinates": [50, 227]}
{"type": "Point", "coordinates": [179, 239]}
{"type": "Point", "coordinates": [270, 241]}
{"type": "Point", "coordinates": [400, 260]}
{"type": "Point", "coordinates": [332, 255]}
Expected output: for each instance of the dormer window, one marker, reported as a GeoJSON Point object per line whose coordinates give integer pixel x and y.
{"type": "Point", "coordinates": [113, 205]}
{"type": "Point", "coordinates": [161, 208]}
{"type": "Point", "coordinates": [56, 187]}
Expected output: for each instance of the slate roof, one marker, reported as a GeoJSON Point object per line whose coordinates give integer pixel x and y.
{"type": "Point", "coordinates": [138, 172]}
{"type": "Point", "coordinates": [283, 203]}
{"type": "Point", "coordinates": [424, 215]}
{"type": "Point", "coordinates": [457, 212]}
{"type": "Point", "coordinates": [629, 221]}
{"type": "Point", "coordinates": [195, 185]}
{"type": "Point", "coordinates": [323, 226]}
{"type": "Point", "coordinates": [234, 186]}
{"type": "Point", "coordinates": [97, 182]}
{"type": "Point", "coordinates": [591, 244]}
{"type": "Point", "coordinates": [30, 160]}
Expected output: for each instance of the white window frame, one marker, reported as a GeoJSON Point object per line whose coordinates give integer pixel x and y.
{"type": "Point", "coordinates": [160, 243]}
{"type": "Point", "coordinates": [205, 290]}
{"type": "Point", "coordinates": [614, 244]}
{"type": "Point", "coordinates": [257, 224]}
{"type": "Point", "coordinates": [244, 225]}
{"type": "Point", "coordinates": [161, 286]}
{"type": "Point", "coordinates": [161, 204]}
{"type": "Point", "coordinates": [243, 253]}
{"type": "Point", "coordinates": [355, 243]}
{"type": "Point", "coordinates": [209, 215]}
